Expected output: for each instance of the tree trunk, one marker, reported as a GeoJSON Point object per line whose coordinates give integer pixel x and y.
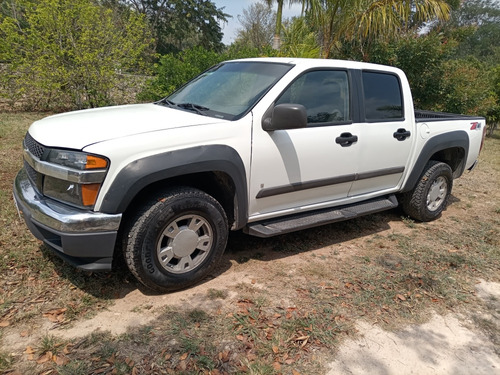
{"type": "Point", "coordinates": [277, 30]}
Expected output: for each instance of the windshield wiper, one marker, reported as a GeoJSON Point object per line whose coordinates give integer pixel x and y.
{"type": "Point", "coordinates": [167, 102]}
{"type": "Point", "coordinates": [189, 106]}
{"type": "Point", "coordinates": [193, 107]}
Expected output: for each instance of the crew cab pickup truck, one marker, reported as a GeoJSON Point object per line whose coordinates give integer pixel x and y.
{"type": "Point", "coordinates": [267, 146]}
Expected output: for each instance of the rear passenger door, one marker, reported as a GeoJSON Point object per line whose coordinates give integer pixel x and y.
{"type": "Point", "coordinates": [386, 135]}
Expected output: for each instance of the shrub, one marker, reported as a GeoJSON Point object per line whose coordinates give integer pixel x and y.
{"type": "Point", "coordinates": [174, 70]}
{"type": "Point", "coordinates": [69, 52]}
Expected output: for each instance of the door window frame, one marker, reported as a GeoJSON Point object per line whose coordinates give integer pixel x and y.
{"type": "Point", "coordinates": [361, 96]}
{"type": "Point", "coordinates": [350, 97]}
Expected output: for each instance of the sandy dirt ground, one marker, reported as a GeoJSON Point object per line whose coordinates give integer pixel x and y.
{"type": "Point", "coordinates": [449, 344]}
{"type": "Point", "coordinates": [444, 345]}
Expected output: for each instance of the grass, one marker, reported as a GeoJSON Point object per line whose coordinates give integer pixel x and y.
{"type": "Point", "coordinates": [30, 272]}
{"type": "Point", "coordinates": [49, 343]}
{"type": "Point", "coordinates": [313, 286]}
{"type": "Point", "coordinates": [5, 361]}
{"type": "Point", "coordinates": [214, 294]}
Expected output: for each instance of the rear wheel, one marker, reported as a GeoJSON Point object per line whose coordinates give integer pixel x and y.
{"type": "Point", "coordinates": [430, 196]}
{"type": "Point", "coordinates": [176, 239]}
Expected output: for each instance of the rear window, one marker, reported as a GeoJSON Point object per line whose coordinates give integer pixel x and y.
{"type": "Point", "coordinates": [382, 94]}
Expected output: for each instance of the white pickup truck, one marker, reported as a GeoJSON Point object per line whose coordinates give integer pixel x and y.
{"type": "Point", "coordinates": [267, 146]}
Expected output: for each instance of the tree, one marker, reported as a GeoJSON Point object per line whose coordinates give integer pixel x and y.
{"type": "Point", "coordinates": [368, 20]}
{"type": "Point", "coordinates": [181, 24]}
{"type": "Point", "coordinates": [299, 40]}
{"type": "Point", "coordinates": [422, 58]}
{"type": "Point", "coordinates": [70, 51]}
{"type": "Point", "coordinates": [174, 70]}
{"type": "Point", "coordinates": [439, 81]}
{"type": "Point", "coordinates": [279, 16]}
{"type": "Point", "coordinates": [493, 117]}
{"type": "Point", "coordinates": [476, 25]}
{"type": "Point", "coordinates": [465, 84]}
{"type": "Point", "coordinates": [257, 26]}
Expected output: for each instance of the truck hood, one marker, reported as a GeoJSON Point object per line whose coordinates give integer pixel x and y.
{"type": "Point", "coordinates": [79, 129]}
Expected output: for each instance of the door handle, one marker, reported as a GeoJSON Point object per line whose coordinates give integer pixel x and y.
{"type": "Point", "coordinates": [346, 139]}
{"type": "Point", "coordinates": [401, 134]}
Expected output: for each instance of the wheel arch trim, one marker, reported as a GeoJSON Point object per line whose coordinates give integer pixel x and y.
{"type": "Point", "coordinates": [143, 172]}
{"type": "Point", "coordinates": [456, 139]}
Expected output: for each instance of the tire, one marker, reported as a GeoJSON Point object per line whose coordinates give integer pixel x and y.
{"type": "Point", "coordinates": [430, 196]}
{"type": "Point", "coordinates": [176, 239]}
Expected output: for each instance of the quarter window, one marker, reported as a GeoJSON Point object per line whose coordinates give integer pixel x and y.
{"type": "Point", "coordinates": [382, 94]}
{"type": "Point", "coordinates": [324, 94]}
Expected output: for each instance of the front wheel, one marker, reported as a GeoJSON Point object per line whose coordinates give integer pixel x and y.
{"type": "Point", "coordinates": [430, 196]}
{"type": "Point", "coordinates": [176, 239]}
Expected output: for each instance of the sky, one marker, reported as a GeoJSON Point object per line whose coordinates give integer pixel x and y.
{"type": "Point", "coordinates": [235, 8]}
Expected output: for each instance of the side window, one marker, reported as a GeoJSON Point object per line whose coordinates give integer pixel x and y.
{"type": "Point", "coordinates": [382, 94]}
{"type": "Point", "coordinates": [324, 94]}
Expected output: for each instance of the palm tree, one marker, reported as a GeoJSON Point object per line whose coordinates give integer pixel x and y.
{"type": "Point", "coordinates": [365, 20]}
{"type": "Point", "coordinates": [279, 16]}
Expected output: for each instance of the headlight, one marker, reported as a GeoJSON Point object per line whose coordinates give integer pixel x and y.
{"type": "Point", "coordinates": [72, 177]}
{"type": "Point", "coordinates": [76, 159]}
{"type": "Point", "coordinates": [79, 188]}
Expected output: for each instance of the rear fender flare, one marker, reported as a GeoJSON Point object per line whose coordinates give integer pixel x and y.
{"type": "Point", "coordinates": [435, 144]}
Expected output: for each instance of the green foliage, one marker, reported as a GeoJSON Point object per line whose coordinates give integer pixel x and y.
{"type": "Point", "coordinates": [181, 24]}
{"type": "Point", "coordinates": [364, 22]}
{"type": "Point", "coordinates": [421, 58]}
{"type": "Point", "coordinates": [174, 70]}
{"type": "Point", "coordinates": [465, 88]}
{"type": "Point", "coordinates": [299, 40]}
{"type": "Point", "coordinates": [49, 343]}
{"type": "Point", "coordinates": [476, 25]}
{"type": "Point", "coordinates": [70, 52]}
{"type": "Point", "coordinates": [438, 81]}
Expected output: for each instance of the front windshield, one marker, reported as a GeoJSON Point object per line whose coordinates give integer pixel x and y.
{"type": "Point", "coordinates": [228, 90]}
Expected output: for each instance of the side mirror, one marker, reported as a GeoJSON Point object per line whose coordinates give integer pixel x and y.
{"type": "Point", "coordinates": [286, 116]}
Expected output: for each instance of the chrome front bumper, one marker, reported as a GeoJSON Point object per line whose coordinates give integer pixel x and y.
{"type": "Point", "coordinates": [85, 239]}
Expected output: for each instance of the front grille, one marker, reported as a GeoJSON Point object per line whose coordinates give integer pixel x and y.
{"type": "Point", "coordinates": [35, 148]}
{"type": "Point", "coordinates": [35, 177]}
{"type": "Point", "coordinates": [32, 174]}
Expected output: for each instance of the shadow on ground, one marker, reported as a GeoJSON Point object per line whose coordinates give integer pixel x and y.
{"type": "Point", "coordinates": [240, 249]}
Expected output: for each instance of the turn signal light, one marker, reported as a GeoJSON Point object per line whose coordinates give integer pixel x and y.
{"type": "Point", "coordinates": [94, 162]}
{"type": "Point", "coordinates": [89, 194]}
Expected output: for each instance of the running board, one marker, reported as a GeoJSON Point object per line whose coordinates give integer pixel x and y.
{"type": "Point", "coordinates": [291, 223]}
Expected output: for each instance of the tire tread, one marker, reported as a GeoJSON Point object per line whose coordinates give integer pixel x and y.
{"type": "Point", "coordinates": [134, 233]}
{"type": "Point", "coordinates": [413, 201]}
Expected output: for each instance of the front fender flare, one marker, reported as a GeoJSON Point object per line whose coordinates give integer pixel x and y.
{"type": "Point", "coordinates": [143, 172]}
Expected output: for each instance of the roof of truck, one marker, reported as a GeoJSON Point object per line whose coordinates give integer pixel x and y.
{"type": "Point", "coordinates": [314, 63]}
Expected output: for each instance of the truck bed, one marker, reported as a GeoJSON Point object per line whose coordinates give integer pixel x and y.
{"type": "Point", "coordinates": [429, 116]}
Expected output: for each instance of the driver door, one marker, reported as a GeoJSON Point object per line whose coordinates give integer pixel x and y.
{"type": "Point", "coordinates": [302, 169]}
